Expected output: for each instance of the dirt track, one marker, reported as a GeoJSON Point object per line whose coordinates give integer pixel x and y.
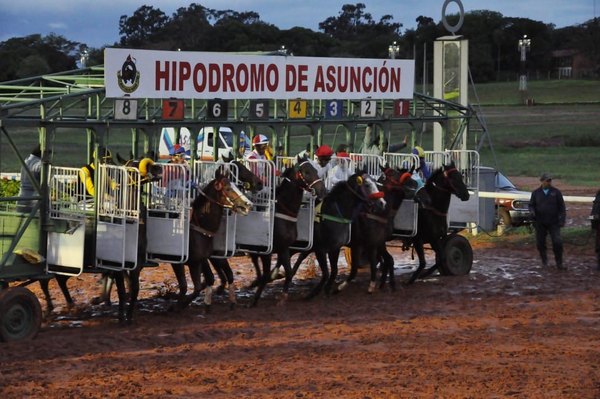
{"type": "Point", "coordinates": [508, 330]}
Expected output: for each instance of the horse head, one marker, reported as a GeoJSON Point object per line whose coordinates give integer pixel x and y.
{"type": "Point", "coordinates": [454, 180]}
{"type": "Point", "coordinates": [362, 185]}
{"type": "Point", "coordinates": [250, 180]}
{"type": "Point", "coordinates": [229, 196]}
{"type": "Point", "coordinates": [307, 177]}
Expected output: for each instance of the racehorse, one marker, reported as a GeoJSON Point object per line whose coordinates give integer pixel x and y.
{"type": "Point", "coordinates": [340, 207]}
{"type": "Point", "coordinates": [432, 224]}
{"type": "Point", "coordinates": [295, 181]}
{"type": "Point", "coordinates": [207, 211]}
{"type": "Point", "coordinates": [371, 229]}
{"type": "Point", "coordinates": [250, 182]}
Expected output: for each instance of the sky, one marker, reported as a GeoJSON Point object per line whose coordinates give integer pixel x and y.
{"type": "Point", "coordinates": [96, 22]}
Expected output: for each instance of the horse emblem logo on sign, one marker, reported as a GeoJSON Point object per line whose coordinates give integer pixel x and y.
{"type": "Point", "coordinates": [128, 76]}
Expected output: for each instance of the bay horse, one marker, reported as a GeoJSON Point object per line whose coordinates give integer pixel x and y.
{"type": "Point", "coordinates": [248, 182]}
{"type": "Point", "coordinates": [207, 211]}
{"type": "Point", "coordinates": [432, 223]}
{"type": "Point", "coordinates": [373, 228]}
{"type": "Point", "coordinates": [300, 178]}
{"type": "Point", "coordinates": [340, 207]}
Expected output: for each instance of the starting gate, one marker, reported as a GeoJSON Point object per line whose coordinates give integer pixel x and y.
{"type": "Point", "coordinates": [168, 219]}
{"type": "Point", "coordinates": [70, 211]}
{"type": "Point", "coordinates": [118, 218]}
{"type": "Point", "coordinates": [254, 232]}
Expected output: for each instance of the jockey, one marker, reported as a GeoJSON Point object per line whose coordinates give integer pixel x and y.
{"type": "Point", "coordinates": [341, 171]}
{"type": "Point", "coordinates": [323, 164]}
{"type": "Point", "coordinates": [423, 168]}
{"type": "Point", "coordinates": [175, 179]}
{"type": "Point", "coordinates": [260, 143]}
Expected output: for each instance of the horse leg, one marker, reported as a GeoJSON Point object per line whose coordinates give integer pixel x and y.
{"type": "Point", "coordinates": [106, 282]}
{"type": "Point", "coordinates": [62, 284]}
{"type": "Point", "coordinates": [322, 259]}
{"type": "Point", "coordinates": [373, 265]}
{"type": "Point", "coordinates": [254, 259]}
{"type": "Point", "coordinates": [387, 261]}
{"type": "Point", "coordinates": [49, 305]}
{"type": "Point", "coordinates": [264, 279]}
{"type": "Point", "coordinates": [179, 270]}
{"type": "Point", "coordinates": [283, 258]}
{"type": "Point", "coordinates": [134, 288]}
{"type": "Point", "coordinates": [218, 266]}
{"type": "Point", "coordinates": [122, 294]}
{"type": "Point", "coordinates": [354, 254]}
{"type": "Point", "coordinates": [421, 254]}
{"type": "Point", "coordinates": [299, 260]}
{"type": "Point", "coordinates": [209, 279]}
{"type": "Point", "coordinates": [333, 265]}
{"type": "Point", "coordinates": [226, 280]}
{"type": "Point", "coordinates": [436, 245]}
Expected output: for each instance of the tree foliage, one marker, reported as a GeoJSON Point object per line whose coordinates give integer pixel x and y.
{"type": "Point", "coordinates": [493, 38]}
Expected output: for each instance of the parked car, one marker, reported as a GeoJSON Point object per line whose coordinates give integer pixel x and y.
{"type": "Point", "coordinates": [511, 212]}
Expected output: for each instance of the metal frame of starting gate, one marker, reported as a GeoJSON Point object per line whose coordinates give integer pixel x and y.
{"type": "Point", "coordinates": [371, 162]}
{"type": "Point", "coordinates": [69, 207]}
{"type": "Point", "coordinates": [254, 232]}
{"type": "Point", "coordinates": [168, 219]}
{"type": "Point", "coordinates": [118, 217]}
{"type": "Point", "coordinates": [405, 221]}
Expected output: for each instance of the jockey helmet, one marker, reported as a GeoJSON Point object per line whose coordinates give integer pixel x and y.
{"type": "Point", "coordinates": [260, 139]}
{"type": "Point", "coordinates": [324, 151]}
{"type": "Point", "coordinates": [418, 151]}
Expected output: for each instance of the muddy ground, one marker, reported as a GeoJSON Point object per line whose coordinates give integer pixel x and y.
{"type": "Point", "coordinates": [510, 329]}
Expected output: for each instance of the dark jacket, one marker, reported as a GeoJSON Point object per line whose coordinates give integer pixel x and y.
{"type": "Point", "coordinates": [547, 209]}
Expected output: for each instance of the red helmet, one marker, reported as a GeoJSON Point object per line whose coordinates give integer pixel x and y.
{"type": "Point", "coordinates": [260, 139]}
{"type": "Point", "coordinates": [324, 151]}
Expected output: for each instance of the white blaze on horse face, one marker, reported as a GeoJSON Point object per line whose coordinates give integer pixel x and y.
{"type": "Point", "coordinates": [371, 188]}
{"type": "Point", "coordinates": [241, 203]}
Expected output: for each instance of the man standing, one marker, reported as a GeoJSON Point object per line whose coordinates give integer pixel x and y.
{"type": "Point", "coordinates": [547, 208]}
{"type": "Point", "coordinates": [33, 163]}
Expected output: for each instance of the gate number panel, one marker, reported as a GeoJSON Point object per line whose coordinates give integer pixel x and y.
{"type": "Point", "coordinates": [368, 108]}
{"type": "Point", "coordinates": [216, 110]}
{"type": "Point", "coordinates": [297, 109]}
{"type": "Point", "coordinates": [173, 110]}
{"type": "Point", "coordinates": [259, 109]}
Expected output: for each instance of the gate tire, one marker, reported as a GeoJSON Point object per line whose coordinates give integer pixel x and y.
{"type": "Point", "coordinates": [20, 314]}
{"type": "Point", "coordinates": [458, 255]}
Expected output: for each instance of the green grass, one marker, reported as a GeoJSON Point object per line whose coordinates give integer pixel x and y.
{"type": "Point", "coordinates": [542, 91]}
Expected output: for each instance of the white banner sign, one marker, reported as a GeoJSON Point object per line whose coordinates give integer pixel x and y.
{"type": "Point", "coordinates": [179, 74]}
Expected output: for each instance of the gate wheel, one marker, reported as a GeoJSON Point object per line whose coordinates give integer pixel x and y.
{"type": "Point", "coordinates": [20, 314]}
{"type": "Point", "coordinates": [458, 255]}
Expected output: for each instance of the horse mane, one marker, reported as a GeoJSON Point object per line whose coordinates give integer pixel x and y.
{"type": "Point", "coordinates": [435, 174]}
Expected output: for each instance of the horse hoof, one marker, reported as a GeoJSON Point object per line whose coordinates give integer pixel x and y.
{"type": "Point", "coordinates": [220, 290]}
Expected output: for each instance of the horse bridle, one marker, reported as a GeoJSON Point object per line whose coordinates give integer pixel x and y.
{"type": "Point", "coordinates": [362, 196]}
{"type": "Point", "coordinates": [300, 177]}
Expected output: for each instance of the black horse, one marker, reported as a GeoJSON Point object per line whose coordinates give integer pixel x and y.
{"type": "Point", "coordinates": [207, 211]}
{"type": "Point", "coordinates": [432, 225]}
{"type": "Point", "coordinates": [343, 205]}
{"type": "Point", "coordinates": [372, 229]}
{"type": "Point", "coordinates": [295, 180]}
{"type": "Point", "coordinates": [250, 182]}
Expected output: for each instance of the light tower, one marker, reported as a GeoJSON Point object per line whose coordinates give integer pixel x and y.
{"type": "Point", "coordinates": [393, 50]}
{"type": "Point", "coordinates": [524, 46]}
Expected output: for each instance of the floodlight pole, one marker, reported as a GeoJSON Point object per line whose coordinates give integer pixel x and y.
{"type": "Point", "coordinates": [393, 50]}
{"type": "Point", "coordinates": [524, 46]}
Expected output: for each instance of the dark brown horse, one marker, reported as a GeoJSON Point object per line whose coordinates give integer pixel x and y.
{"type": "Point", "coordinates": [373, 228]}
{"type": "Point", "coordinates": [295, 181]}
{"type": "Point", "coordinates": [340, 207]}
{"type": "Point", "coordinates": [207, 212]}
{"type": "Point", "coordinates": [432, 226]}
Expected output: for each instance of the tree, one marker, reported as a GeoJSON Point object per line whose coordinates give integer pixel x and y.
{"type": "Point", "coordinates": [145, 23]}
